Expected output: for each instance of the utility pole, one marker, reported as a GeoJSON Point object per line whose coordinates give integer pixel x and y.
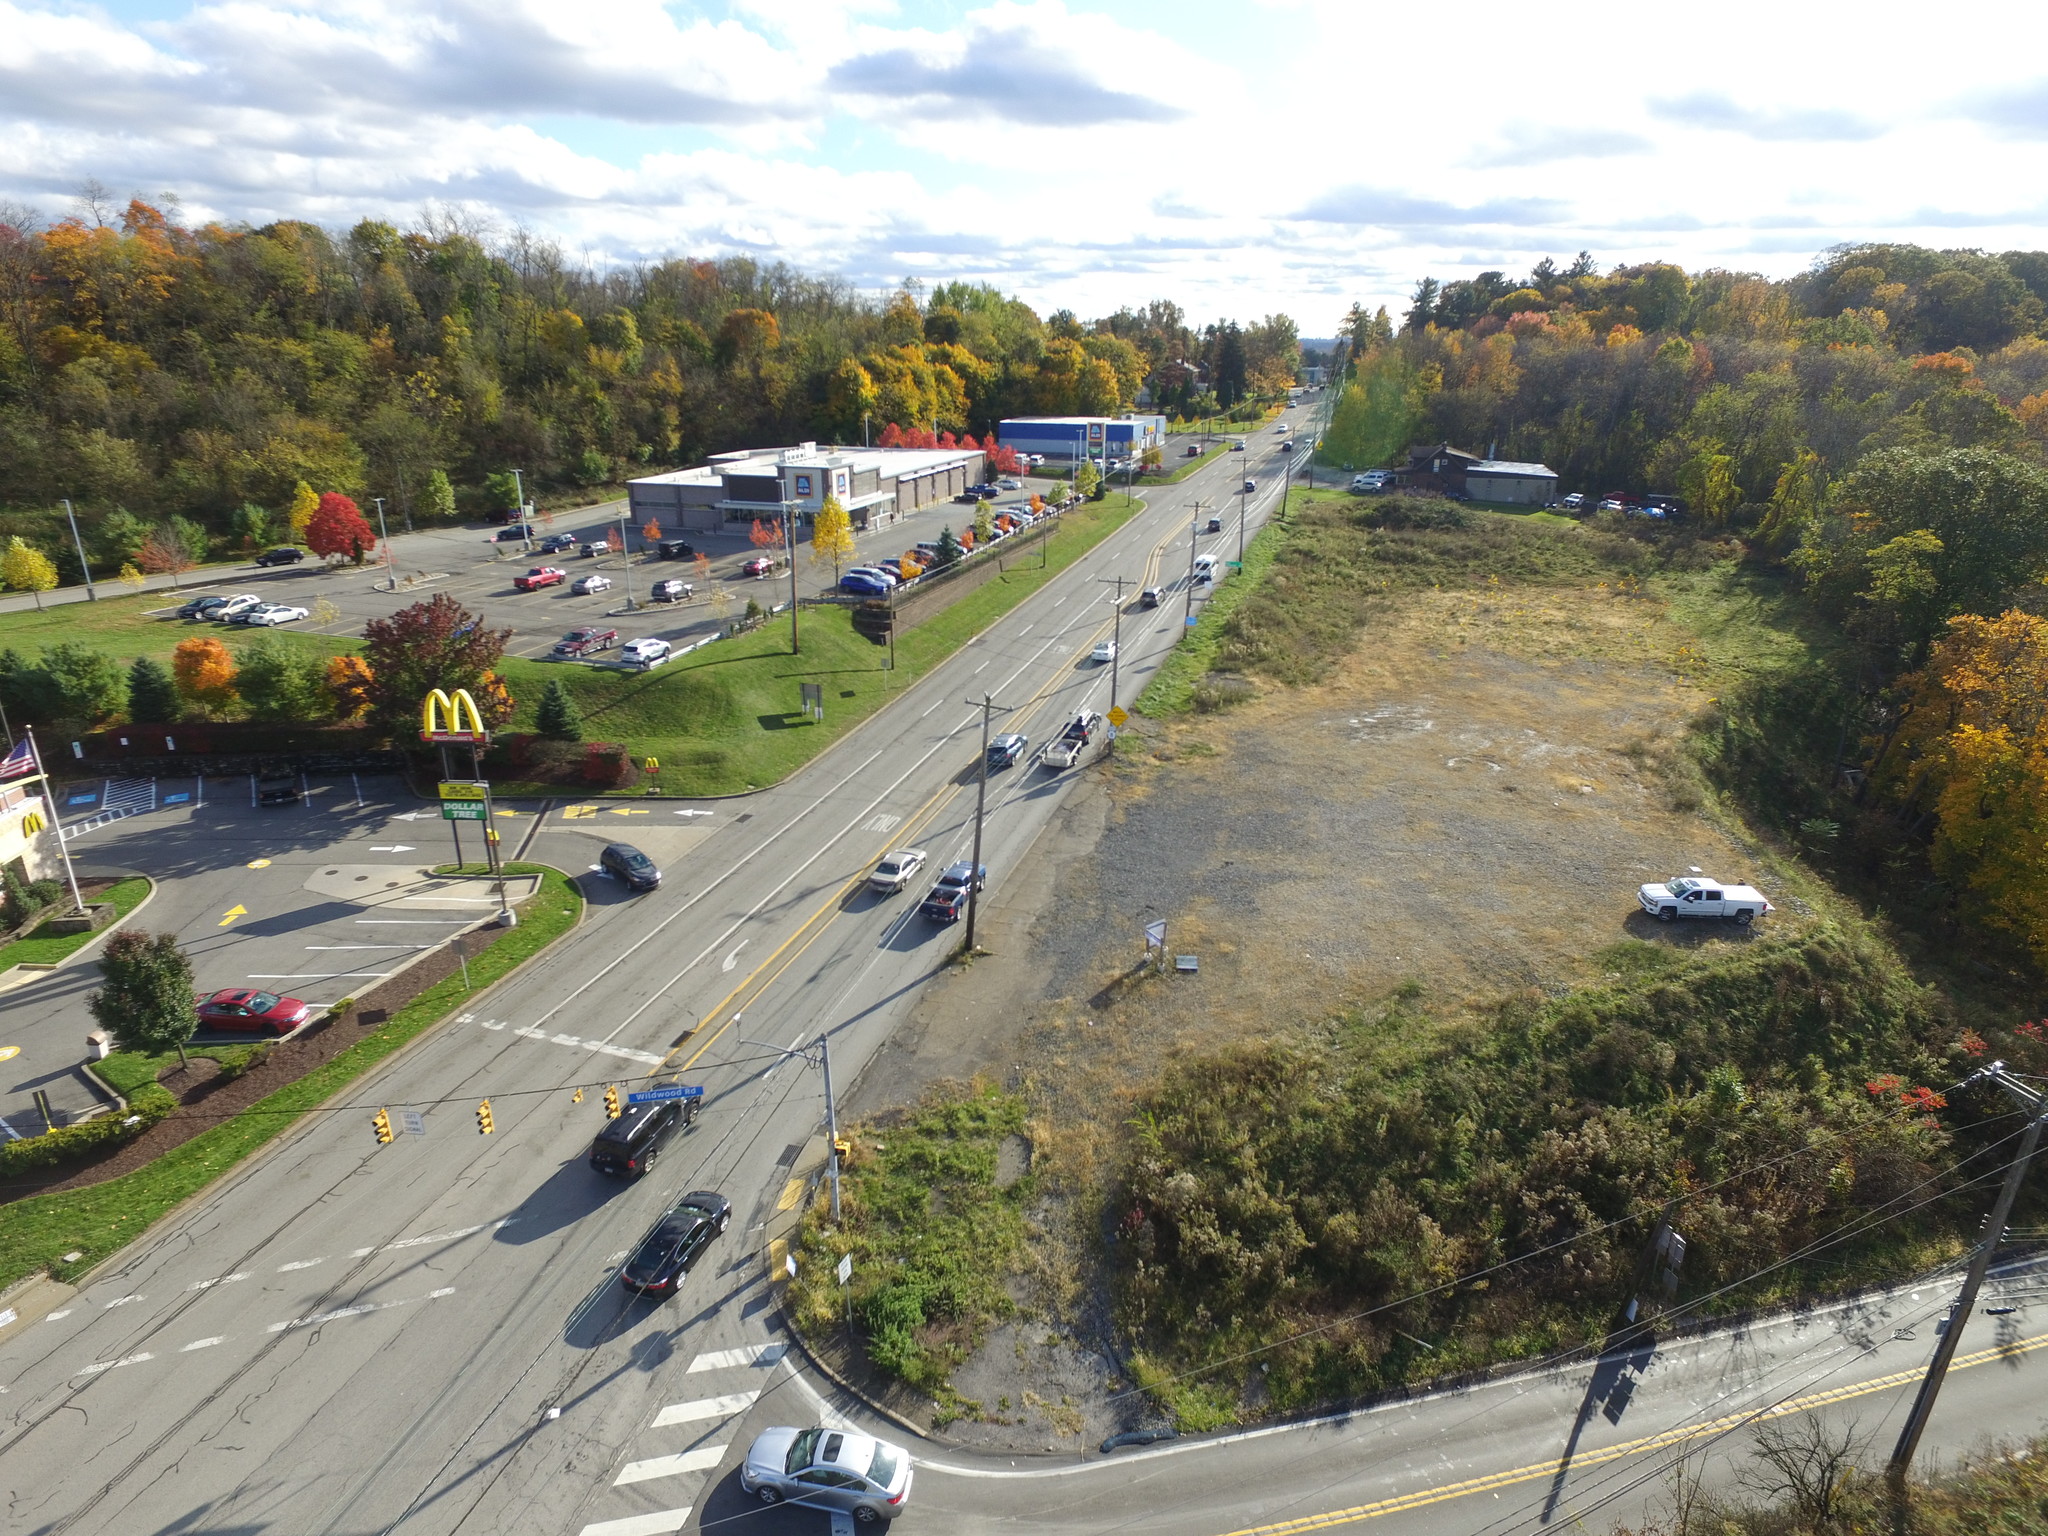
{"type": "Point", "coordinates": [1244, 511]}
{"type": "Point", "coordinates": [91, 592]}
{"type": "Point", "coordinates": [1966, 1299]}
{"type": "Point", "coordinates": [988, 708]}
{"type": "Point", "coordinates": [823, 1046]}
{"type": "Point", "coordinates": [626, 554]}
{"type": "Point", "coordinates": [1116, 644]}
{"type": "Point", "coordinates": [1194, 529]}
{"type": "Point", "coordinates": [789, 549]}
{"type": "Point", "coordinates": [525, 528]}
{"type": "Point", "coordinates": [384, 534]}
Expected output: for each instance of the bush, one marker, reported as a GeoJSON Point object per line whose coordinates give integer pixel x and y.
{"type": "Point", "coordinates": [74, 1143]}
{"type": "Point", "coordinates": [605, 764]}
{"type": "Point", "coordinates": [23, 899]}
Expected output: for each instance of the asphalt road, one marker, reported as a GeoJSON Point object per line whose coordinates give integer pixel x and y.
{"type": "Point", "coordinates": [343, 1337]}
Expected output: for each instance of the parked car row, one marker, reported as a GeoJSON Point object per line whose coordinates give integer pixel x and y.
{"type": "Point", "coordinates": [243, 608]}
{"type": "Point", "coordinates": [880, 577]}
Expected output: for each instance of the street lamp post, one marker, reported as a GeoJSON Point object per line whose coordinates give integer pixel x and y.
{"type": "Point", "coordinates": [1194, 530]}
{"type": "Point", "coordinates": [91, 592]}
{"type": "Point", "coordinates": [384, 534]}
{"type": "Point", "coordinates": [626, 555]}
{"type": "Point", "coordinates": [1116, 644]}
{"type": "Point", "coordinates": [988, 708]}
{"type": "Point", "coordinates": [525, 528]}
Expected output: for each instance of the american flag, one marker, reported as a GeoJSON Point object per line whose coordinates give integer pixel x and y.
{"type": "Point", "coordinates": [21, 760]}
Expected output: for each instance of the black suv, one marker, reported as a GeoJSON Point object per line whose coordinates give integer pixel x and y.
{"type": "Point", "coordinates": [666, 1253]}
{"type": "Point", "coordinates": [626, 1147]}
{"type": "Point", "coordinates": [676, 549]}
{"type": "Point", "coordinates": [630, 866]}
{"type": "Point", "coordinates": [277, 786]}
{"type": "Point", "coordinates": [284, 555]}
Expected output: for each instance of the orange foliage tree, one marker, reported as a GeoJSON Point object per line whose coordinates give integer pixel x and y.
{"type": "Point", "coordinates": [349, 681]}
{"type": "Point", "coordinates": [1972, 747]}
{"type": "Point", "coordinates": [203, 670]}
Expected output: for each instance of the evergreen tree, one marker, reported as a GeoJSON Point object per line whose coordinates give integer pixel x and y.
{"type": "Point", "coordinates": [437, 501]}
{"type": "Point", "coordinates": [146, 1004]}
{"type": "Point", "coordinates": [152, 696]}
{"type": "Point", "coordinates": [281, 682]}
{"type": "Point", "coordinates": [949, 547]}
{"type": "Point", "coordinates": [556, 717]}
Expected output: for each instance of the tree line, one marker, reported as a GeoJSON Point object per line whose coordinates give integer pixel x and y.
{"type": "Point", "coordinates": [191, 387]}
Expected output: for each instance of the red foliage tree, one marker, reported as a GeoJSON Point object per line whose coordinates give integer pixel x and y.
{"type": "Point", "coordinates": [766, 535]}
{"type": "Point", "coordinates": [967, 441]}
{"type": "Point", "coordinates": [1002, 460]}
{"type": "Point", "coordinates": [892, 437]}
{"type": "Point", "coordinates": [337, 529]}
{"type": "Point", "coordinates": [436, 644]}
{"type": "Point", "coordinates": [947, 440]}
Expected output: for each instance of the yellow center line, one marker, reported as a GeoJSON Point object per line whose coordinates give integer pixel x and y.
{"type": "Point", "coordinates": [1657, 1442]}
{"type": "Point", "coordinates": [835, 903]}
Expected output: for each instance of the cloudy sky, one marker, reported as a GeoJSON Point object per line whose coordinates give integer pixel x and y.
{"type": "Point", "coordinates": [1236, 156]}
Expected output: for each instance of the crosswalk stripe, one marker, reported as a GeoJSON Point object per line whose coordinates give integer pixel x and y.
{"type": "Point", "coordinates": [704, 1408]}
{"type": "Point", "coordinates": [662, 1523]}
{"type": "Point", "coordinates": [669, 1466]}
{"type": "Point", "coordinates": [725, 1359]}
{"type": "Point", "coordinates": [792, 1192]}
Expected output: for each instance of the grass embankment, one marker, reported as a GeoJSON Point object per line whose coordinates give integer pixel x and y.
{"type": "Point", "coordinates": [1184, 681]}
{"type": "Point", "coordinates": [1319, 1194]}
{"type": "Point", "coordinates": [95, 1221]}
{"type": "Point", "coordinates": [932, 1233]}
{"type": "Point", "coordinates": [38, 948]}
{"type": "Point", "coordinates": [122, 627]}
{"type": "Point", "coordinates": [1186, 466]}
{"type": "Point", "coordinates": [729, 717]}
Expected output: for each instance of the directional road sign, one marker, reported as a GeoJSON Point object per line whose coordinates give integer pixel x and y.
{"type": "Point", "coordinates": [663, 1095]}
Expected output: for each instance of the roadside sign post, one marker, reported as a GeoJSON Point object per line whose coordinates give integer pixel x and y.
{"type": "Point", "coordinates": [845, 1285]}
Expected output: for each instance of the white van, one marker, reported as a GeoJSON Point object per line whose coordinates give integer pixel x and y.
{"type": "Point", "coordinates": [1205, 568]}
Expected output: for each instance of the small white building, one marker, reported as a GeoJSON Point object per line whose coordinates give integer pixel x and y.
{"type": "Point", "coordinates": [1504, 480]}
{"type": "Point", "coordinates": [877, 486]}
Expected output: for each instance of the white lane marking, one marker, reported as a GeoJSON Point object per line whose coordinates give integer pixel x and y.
{"type": "Point", "coordinates": [285, 1269]}
{"type": "Point", "coordinates": [1026, 630]}
{"type": "Point", "coordinates": [725, 1359]}
{"type": "Point", "coordinates": [207, 1285]}
{"type": "Point", "coordinates": [108, 1365]}
{"type": "Point", "coordinates": [842, 1522]}
{"type": "Point", "coordinates": [202, 1344]}
{"type": "Point", "coordinates": [308, 976]}
{"type": "Point", "coordinates": [51, 1317]}
{"type": "Point", "coordinates": [662, 1523]}
{"type": "Point", "coordinates": [1062, 600]}
{"type": "Point", "coordinates": [883, 822]}
{"type": "Point", "coordinates": [340, 1312]}
{"type": "Point", "coordinates": [669, 1466]}
{"type": "Point", "coordinates": [414, 922]}
{"type": "Point", "coordinates": [368, 946]}
{"type": "Point", "coordinates": [733, 959]}
{"type": "Point", "coordinates": [449, 1237]}
{"type": "Point", "coordinates": [935, 703]}
{"type": "Point", "coordinates": [704, 1408]}
{"type": "Point", "coordinates": [122, 1301]}
{"type": "Point", "coordinates": [645, 1058]}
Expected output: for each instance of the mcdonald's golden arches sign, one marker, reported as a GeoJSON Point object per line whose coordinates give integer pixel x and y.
{"type": "Point", "coordinates": [452, 718]}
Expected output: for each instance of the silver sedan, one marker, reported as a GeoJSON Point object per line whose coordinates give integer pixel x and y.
{"type": "Point", "coordinates": [829, 1469]}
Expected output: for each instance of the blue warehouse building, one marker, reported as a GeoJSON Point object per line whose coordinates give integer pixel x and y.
{"type": "Point", "coordinates": [1070, 439]}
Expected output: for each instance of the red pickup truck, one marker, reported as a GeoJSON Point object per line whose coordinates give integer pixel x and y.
{"type": "Point", "coordinates": [540, 576]}
{"type": "Point", "coordinates": [581, 642]}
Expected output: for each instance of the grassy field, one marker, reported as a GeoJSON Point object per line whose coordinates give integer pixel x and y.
{"type": "Point", "coordinates": [123, 627]}
{"type": "Point", "coordinates": [126, 895]}
{"type": "Point", "coordinates": [729, 717]}
{"type": "Point", "coordinates": [94, 1222]}
{"type": "Point", "coordinates": [1174, 689]}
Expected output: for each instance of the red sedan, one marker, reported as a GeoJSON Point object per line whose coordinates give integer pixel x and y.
{"type": "Point", "coordinates": [238, 1008]}
{"type": "Point", "coordinates": [760, 565]}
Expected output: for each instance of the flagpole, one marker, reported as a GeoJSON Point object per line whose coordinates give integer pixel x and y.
{"type": "Point", "coordinates": [56, 822]}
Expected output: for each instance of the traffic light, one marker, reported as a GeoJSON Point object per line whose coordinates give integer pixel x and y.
{"type": "Point", "coordinates": [382, 1121]}
{"type": "Point", "coordinates": [483, 1118]}
{"type": "Point", "coordinates": [611, 1101]}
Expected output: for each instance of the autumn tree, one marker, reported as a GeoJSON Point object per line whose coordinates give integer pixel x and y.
{"type": "Point", "coordinates": [434, 644]}
{"type": "Point", "coordinates": [832, 535]}
{"type": "Point", "coordinates": [1707, 482]}
{"type": "Point", "coordinates": [25, 568]}
{"type": "Point", "coordinates": [164, 553]}
{"type": "Point", "coordinates": [145, 1001]}
{"type": "Point", "coordinates": [203, 669]}
{"type": "Point", "coordinates": [348, 687]}
{"type": "Point", "coordinates": [300, 514]}
{"type": "Point", "coordinates": [338, 530]}
{"type": "Point", "coordinates": [766, 536]}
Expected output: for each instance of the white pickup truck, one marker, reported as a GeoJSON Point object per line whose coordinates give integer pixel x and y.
{"type": "Point", "coordinates": [1065, 750]}
{"type": "Point", "coordinates": [1698, 896]}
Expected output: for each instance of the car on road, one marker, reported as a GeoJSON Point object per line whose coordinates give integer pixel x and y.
{"type": "Point", "coordinates": [278, 786]}
{"type": "Point", "coordinates": [896, 869]}
{"type": "Point", "coordinates": [588, 586]}
{"type": "Point", "coordinates": [665, 1254]}
{"type": "Point", "coordinates": [1250, 486]}
{"type": "Point", "coordinates": [1702, 896]}
{"type": "Point", "coordinates": [629, 866]}
{"type": "Point", "coordinates": [644, 653]}
{"type": "Point", "coordinates": [263, 1013]}
{"type": "Point", "coordinates": [626, 1147]}
{"type": "Point", "coordinates": [540, 576]}
{"type": "Point", "coordinates": [555, 543]}
{"type": "Point", "coordinates": [670, 590]}
{"type": "Point", "coordinates": [1150, 597]}
{"type": "Point", "coordinates": [676, 549]}
{"type": "Point", "coordinates": [830, 1469]}
{"type": "Point", "coordinates": [948, 899]}
{"type": "Point", "coordinates": [1237, 447]}
{"type": "Point", "coordinates": [515, 533]}
{"type": "Point", "coordinates": [581, 642]}
{"type": "Point", "coordinates": [1215, 525]}
{"type": "Point", "coordinates": [271, 614]}
{"type": "Point", "coordinates": [235, 607]}
{"type": "Point", "coordinates": [1287, 445]}
{"type": "Point", "coordinates": [284, 554]}
{"type": "Point", "coordinates": [201, 607]}
{"type": "Point", "coordinates": [760, 565]}
{"type": "Point", "coordinates": [1004, 751]}
{"type": "Point", "coordinates": [1105, 650]}
{"type": "Point", "coordinates": [1280, 426]}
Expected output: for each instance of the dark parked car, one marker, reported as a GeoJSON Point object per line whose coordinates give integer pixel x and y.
{"type": "Point", "coordinates": [554, 543]}
{"type": "Point", "coordinates": [676, 549]}
{"type": "Point", "coordinates": [627, 1146]}
{"type": "Point", "coordinates": [202, 607]}
{"type": "Point", "coordinates": [683, 1233]}
{"type": "Point", "coordinates": [1149, 598]}
{"type": "Point", "coordinates": [1004, 751]}
{"type": "Point", "coordinates": [670, 591]}
{"type": "Point", "coordinates": [277, 787]}
{"type": "Point", "coordinates": [265, 1013]}
{"type": "Point", "coordinates": [628, 864]}
{"type": "Point", "coordinates": [284, 555]}
{"type": "Point", "coordinates": [515, 533]}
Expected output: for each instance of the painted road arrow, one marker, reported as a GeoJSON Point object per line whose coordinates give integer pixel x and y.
{"type": "Point", "coordinates": [408, 815]}
{"type": "Point", "coordinates": [393, 848]}
{"type": "Point", "coordinates": [696, 813]}
{"type": "Point", "coordinates": [237, 910]}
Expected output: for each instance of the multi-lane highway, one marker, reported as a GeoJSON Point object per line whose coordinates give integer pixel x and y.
{"type": "Point", "coordinates": [347, 1337]}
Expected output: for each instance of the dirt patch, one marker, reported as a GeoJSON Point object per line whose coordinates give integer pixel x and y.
{"type": "Point", "coordinates": [1466, 806]}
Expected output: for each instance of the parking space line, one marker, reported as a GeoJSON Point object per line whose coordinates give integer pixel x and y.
{"type": "Point", "coordinates": [661, 1523]}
